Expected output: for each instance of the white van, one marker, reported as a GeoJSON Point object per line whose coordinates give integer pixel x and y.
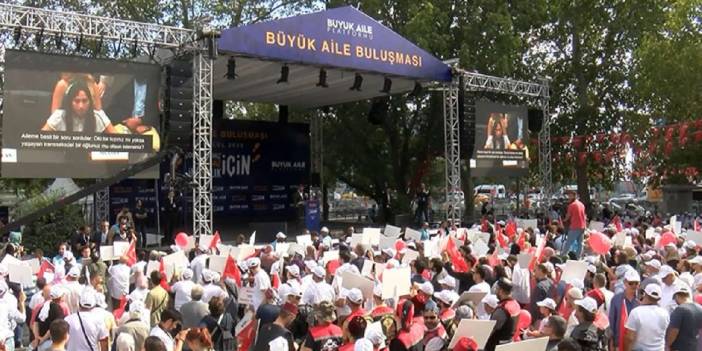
{"type": "Point", "coordinates": [490, 190]}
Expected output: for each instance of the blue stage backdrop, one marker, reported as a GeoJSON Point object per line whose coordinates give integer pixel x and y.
{"type": "Point", "coordinates": [256, 168]}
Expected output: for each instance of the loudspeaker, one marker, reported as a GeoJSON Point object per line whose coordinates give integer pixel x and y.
{"type": "Point", "coordinates": [217, 109]}
{"type": "Point", "coordinates": [536, 120]}
{"type": "Point", "coordinates": [179, 102]}
{"type": "Point", "coordinates": [378, 111]}
{"type": "Point", "coordinates": [697, 195]}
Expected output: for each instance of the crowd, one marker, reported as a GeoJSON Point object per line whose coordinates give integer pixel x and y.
{"type": "Point", "coordinates": [642, 293]}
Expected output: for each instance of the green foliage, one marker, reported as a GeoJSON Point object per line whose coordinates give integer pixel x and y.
{"type": "Point", "coordinates": [50, 230]}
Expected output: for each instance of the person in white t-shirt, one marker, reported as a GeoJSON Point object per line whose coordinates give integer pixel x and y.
{"type": "Point", "coordinates": [198, 265]}
{"type": "Point", "coordinates": [479, 274]}
{"type": "Point", "coordinates": [87, 330]}
{"type": "Point", "coordinates": [182, 289]}
{"type": "Point", "coordinates": [259, 280]}
{"type": "Point", "coordinates": [73, 289]}
{"type": "Point", "coordinates": [320, 290]}
{"type": "Point", "coordinates": [211, 287]}
{"type": "Point", "coordinates": [670, 284]}
{"type": "Point", "coordinates": [170, 319]}
{"type": "Point", "coordinates": [646, 325]}
{"type": "Point", "coordinates": [118, 285]}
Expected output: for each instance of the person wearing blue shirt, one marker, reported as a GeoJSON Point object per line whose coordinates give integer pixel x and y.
{"type": "Point", "coordinates": [626, 298]}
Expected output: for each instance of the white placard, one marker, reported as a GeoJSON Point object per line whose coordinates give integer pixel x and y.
{"type": "Point", "coordinates": [410, 256]}
{"type": "Point", "coordinates": [217, 263]}
{"type": "Point", "coordinates": [304, 239]}
{"type": "Point", "coordinates": [191, 243]}
{"type": "Point", "coordinates": [152, 266]}
{"type": "Point", "coordinates": [242, 252]}
{"type": "Point", "coordinates": [476, 297]}
{"type": "Point", "coordinates": [371, 236]}
{"type": "Point", "coordinates": [329, 256]}
{"type": "Point", "coordinates": [21, 274]}
{"type": "Point", "coordinates": [524, 259]}
{"type": "Point", "coordinates": [352, 280]}
{"type": "Point", "coordinates": [650, 233]}
{"type": "Point", "coordinates": [527, 223]}
{"type": "Point", "coordinates": [386, 242]}
{"type": "Point", "coordinates": [120, 248]}
{"type": "Point", "coordinates": [525, 345]}
{"type": "Point", "coordinates": [9, 259]}
{"type": "Point", "coordinates": [252, 238]}
{"type": "Point", "coordinates": [367, 269]}
{"type": "Point", "coordinates": [356, 239]}
{"type": "Point", "coordinates": [674, 224]}
{"type": "Point", "coordinates": [696, 237]}
{"type": "Point", "coordinates": [479, 330]}
{"type": "Point", "coordinates": [296, 249]}
{"type": "Point", "coordinates": [396, 282]}
{"type": "Point", "coordinates": [176, 261]}
{"type": "Point", "coordinates": [480, 249]}
{"type": "Point", "coordinates": [246, 295]}
{"type": "Point", "coordinates": [411, 234]}
{"type": "Point", "coordinates": [206, 240]}
{"type": "Point", "coordinates": [619, 239]}
{"type": "Point", "coordinates": [392, 231]}
{"type": "Point", "coordinates": [34, 264]}
{"type": "Point", "coordinates": [107, 252]}
{"type": "Point", "coordinates": [574, 271]}
{"type": "Point", "coordinates": [595, 225]}
{"type": "Point", "coordinates": [432, 248]}
{"type": "Point", "coordinates": [282, 249]}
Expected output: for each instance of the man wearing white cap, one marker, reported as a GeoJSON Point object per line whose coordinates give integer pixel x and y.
{"type": "Point", "coordinates": [625, 299]}
{"type": "Point", "coordinates": [118, 284]}
{"type": "Point", "coordinates": [588, 336]}
{"type": "Point", "coordinates": [73, 289]}
{"type": "Point", "coordinates": [380, 309]}
{"type": "Point", "coordinates": [651, 269]}
{"type": "Point", "coordinates": [685, 322]}
{"type": "Point", "coordinates": [647, 324]}
{"type": "Point", "coordinates": [445, 299]}
{"type": "Point", "coordinates": [354, 297]}
{"type": "Point", "coordinates": [212, 287]}
{"type": "Point", "coordinates": [198, 264]}
{"type": "Point", "coordinates": [320, 290]}
{"type": "Point", "coordinates": [260, 281]}
{"type": "Point", "coordinates": [87, 330]}
{"type": "Point", "coordinates": [670, 285]}
{"type": "Point", "coordinates": [10, 315]}
{"type": "Point", "coordinates": [182, 289]}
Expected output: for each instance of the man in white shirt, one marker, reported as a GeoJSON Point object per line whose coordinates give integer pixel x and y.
{"type": "Point", "coordinates": [169, 321]}
{"type": "Point", "coordinates": [183, 288]}
{"type": "Point", "coordinates": [479, 275]}
{"type": "Point", "coordinates": [212, 287]}
{"type": "Point", "coordinates": [670, 286]}
{"type": "Point", "coordinates": [73, 289]}
{"type": "Point", "coordinates": [118, 285]}
{"type": "Point", "coordinates": [10, 315]}
{"type": "Point", "coordinates": [646, 325]}
{"type": "Point", "coordinates": [319, 290]}
{"type": "Point", "coordinates": [259, 280]}
{"type": "Point", "coordinates": [87, 330]}
{"type": "Point", "coordinates": [198, 265]}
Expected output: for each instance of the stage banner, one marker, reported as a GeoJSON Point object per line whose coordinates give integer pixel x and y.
{"type": "Point", "coordinates": [501, 137]}
{"type": "Point", "coordinates": [312, 215]}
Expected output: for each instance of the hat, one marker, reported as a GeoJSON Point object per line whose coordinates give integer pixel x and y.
{"type": "Point", "coordinates": [549, 266]}
{"type": "Point", "coordinates": [621, 270]}
{"type": "Point", "coordinates": [683, 289]}
{"type": "Point", "coordinates": [390, 252]}
{"type": "Point", "coordinates": [324, 230]}
{"type": "Point", "coordinates": [548, 303]}
{"type": "Point", "coordinates": [591, 268]}
{"type": "Point", "coordinates": [654, 264]}
{"type": "Point", "coordinates": [575, 293]}
{"type": "Point", "coordinates": [290, 308]}
{"type": "Point", "coordinates": [67, 255]}
{"type": "Point", "coordinates": [254, 262]}
{"type": "Point", "coordinates": [88, 298]}
{"type": "Point", "coordinates": [466, 344]}
{"type": "Point", "coordinates": [490, 300]}
{"type": "Point", "coordinates": [374, 334]}
{"type": "Point", "coordinates": [427, 288]}
{"type": "Point", "coordinates": [355, 296]}
{"type": "Point", "coordinates": [294, 270]}
{"type": "Point", "coordinates": [55, 292]}
{"type": "Point", "coordinates": [448, 281]}
{"type": "Point", "coordinates": [696, 260]}
{"type": "Point", "coordinates": [207, 275]}
{"type": "Point", "coordinates": [363, 345]}
{"type": "Point", "coordinates": [690, 245]}
{"type": "Point", "coordinates": [653, 290]}
{"type": "Point", "coordinates": [319, 272]}
{"type": "Point", "coordinates": [464, 312]}
{"type": "Point", "coordinates": [588, 303]}
{"type": "Point", "coordinates": [280, 235]}
{"type": "Point", "coordinates": [74, 272]}
{"type": "Point", "coordinates": [446, 296]}
{"type": "Point", "coordinates": [310, 264]}
{"type": "Point", "coordinates": [666, 271]}
{"type": "Point", "coordinates": [632, 276]}
{"type": "Point", "coordinates": [187, 274]}
{"type": "Point", "coordinates": [101, 300]}
{"type": "Point", "coordinates": [294, 290]}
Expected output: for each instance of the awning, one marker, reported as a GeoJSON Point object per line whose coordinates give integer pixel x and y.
{"type": "Point", "coordinates": [342, 41]}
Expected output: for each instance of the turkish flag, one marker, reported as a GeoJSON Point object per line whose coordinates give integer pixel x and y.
{"type": "Point", "coordinates": [617, 223]}
{"type": "Point", "coordinates": [215, 240]}
{"type": "Point", "coordinates": [231, 270]}
{"type": "Point", "coordinates": [500, 238]}
{"type": "Point", "coordinates": [246, 336]}
{"type": "Point", "coordinates": [164, 280]}
{"type": "Point", "coordinates": [45, 266]}
{"type": "Point", "coordinates": [623, 315]}
{"type": "Point", "coordinates": [511, 229]}
{"type": "Point", "coordinates": [119, 311]}
{"type": "Point", "coordinates": [459, 264]}
{"type": "Point", "coordinates": [131, 254]}
{"type": "Point", "coordinates": [275, 280]}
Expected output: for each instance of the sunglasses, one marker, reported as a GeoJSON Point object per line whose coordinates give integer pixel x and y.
{"type": "Point", "coordinates": [632, 283]}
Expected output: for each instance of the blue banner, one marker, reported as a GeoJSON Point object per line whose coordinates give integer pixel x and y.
{"type": "Point", "coordinates": [342, 37]}
{"type": "Point", "coordinates": [312, 215]}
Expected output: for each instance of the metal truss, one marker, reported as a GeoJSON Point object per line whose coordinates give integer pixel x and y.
{"type": "Point", "coordinates": [536, 93]}
{"type": "Point", "coordinates": [316, 147]}
{"type": "Point", "coordinates": [202, 143]}
{"type": "Point", "coordinates": [75, 25]}
{"type": "Point", "coordinates": [101, 200]}
{"type": "Point", "coordinates": [452, 147]}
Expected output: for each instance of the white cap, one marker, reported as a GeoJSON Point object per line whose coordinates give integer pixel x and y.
{"type": "Point", "coordinates": [654, 291]}
{"type": "Point", "coordinates": [549, 266]}
{"type": "Point", "coordinates": [319, 272]}
{"type": "Point", "coordinates": [654, 263]}
{"type": "Point", "coordinates": [363, 345]}
{"type": "Point", "coordinates": [666, 271]}
{"type": "Point", "coordinates": [207, 275]}
{"type": "Point", "coordinates": [632, 276]}
{"type": "Point", "coordinates": [698, 280]}
{"type": "Point", "coordinates": [378, 290]}
{"type": "Point", "coordinates": [588, 303]}
{"type": "Point", "coordinates": [55, 292]}
{"type": "Point", "coordinates": [591, 268]}
{"type": "Point", "coordinates": [446, 296]}
{"type": "Point", "coordinates": [375, 335]}
{"type": "Point", "coordinates": [280, 235]}
{"type": "Point", "coordinates": [88, 298]}
{"type": "Point", "coordinates": [310, 264]}
{"type": "Point", "coordinates": [575, 293]}
{"type": "Point", "coordinates": [324, 230]}
{"type": "Point", "coordinates": [427, 288]}
{"type": "Point", "coordinates": [490, 300]}
{"type": "Point", "coordinates": [67, 255]}
{"type": "Point", "coordinates": [390, 252]}
{"type": "Point", "coordinates": [696, 260]}
{"type": "Point", "coordinates": [690, 245]}
{"type": "Point", "coordinates": [254, 262]}
{"type": "Point", "coordinates": [74, 272]}
{"type": "Point", "coordinates": [682, 289]}
{"type": "Point", "coordinates": [448, 281]}
{"type": "Point", "coordinates": [355, 295]}
{"type": "Point", "coordinates": [294, 270]}
{"type": "Point", "coordinates": [548, 303]}
{"type": "Point", "coordinates": [187, 274]}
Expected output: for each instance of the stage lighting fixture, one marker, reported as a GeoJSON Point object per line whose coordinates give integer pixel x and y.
{"type": "Point", "coordinates": [135, 47]}
{"type": "Point", "coordinates": [231, 69]}
{"type": "Point", "coordinates": [387, 85]}
{"type": "Point", "coordinates": [357, 82]}
{"type": "Point", "coordinates": [417, 89]}
{"type": "Point", "coordinates": [58, 40]}
{"type": "Point", "coordinates": [18, 35]}
{"type": "Point", "coordinates": [284, 72]}
{"type": "Point", "coordinates": [322, 78]}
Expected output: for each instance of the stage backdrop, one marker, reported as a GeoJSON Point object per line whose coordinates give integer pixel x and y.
{"type": "Point", "coordinates": [257, 167]}
{"type": "Point", "coordinates": [67, 116]}
{"type": "Point", "coordinates": [501, 134]}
